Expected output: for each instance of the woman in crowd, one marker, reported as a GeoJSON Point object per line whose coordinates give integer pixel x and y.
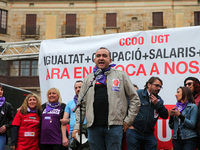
{"type": "Point", "coordinates": [26, 125]}
{"type": "Point", "coordinates": [193, 83]}
{"type": "Point", "coordinates": [6, 117]}
{"type": "Point", "coordinates": [53, 110]}
{"type": "Point", "coordinates": [197, 90]}
{"type": "Point", "coordinates": [183, 120]}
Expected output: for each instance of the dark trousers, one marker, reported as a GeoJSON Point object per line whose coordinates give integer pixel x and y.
{"type": "Point", "coordinates": [189, 144]}
{"type": "Point", "coordinates": [135, 140]}
{"type": "Point", "coordinates": [102, 138]}
{"type": "Point", "coordinates": [51, 147]}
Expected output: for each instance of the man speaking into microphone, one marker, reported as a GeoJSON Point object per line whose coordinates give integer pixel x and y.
{"type": "Point", "coordinates": [105, 105]}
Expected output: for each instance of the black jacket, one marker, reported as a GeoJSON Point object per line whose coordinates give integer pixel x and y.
{"type": "Point", "coordinates": [6, 115]}
{"type": "Point", "coordinates": [198, 122]}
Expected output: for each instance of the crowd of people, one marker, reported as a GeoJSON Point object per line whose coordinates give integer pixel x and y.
{"type": "Point", "coordinates": [113, 109]}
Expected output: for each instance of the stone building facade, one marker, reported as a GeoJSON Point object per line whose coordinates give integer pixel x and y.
{"type": "Point", "coordinates": [131, 15]}
{"type": "Point", "coordinates": [23, 20]}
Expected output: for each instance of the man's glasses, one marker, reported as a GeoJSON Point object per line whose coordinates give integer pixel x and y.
{"type": "Point", "coordinates": [157, 85]}
{"type": "Point", "coordinates": [189, 83]}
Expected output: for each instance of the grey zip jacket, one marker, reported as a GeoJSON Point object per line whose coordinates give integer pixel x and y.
{"type": "Point", "coordinates": [120, 90]}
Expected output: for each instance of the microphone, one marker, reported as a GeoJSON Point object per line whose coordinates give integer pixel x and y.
{"type": "Point", "coordinates": [79, 102]}
{"type": "Point", "coordinates": [97, 72]}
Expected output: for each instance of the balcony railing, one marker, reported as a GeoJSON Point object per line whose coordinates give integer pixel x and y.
{"type": "Point", "coordinates": [157, 27]}
{"type": "Point", "coordinates": [70, 31]}
{"type": "Point", "coordinates": [3, 31]}
{"type": "Point", "coordinates": [110, 28]}
{"type": "Point", "coordinates": [30, 32]}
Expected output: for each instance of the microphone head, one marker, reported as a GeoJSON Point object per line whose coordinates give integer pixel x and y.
{"type": "Point", "coordinates": [97, 72]}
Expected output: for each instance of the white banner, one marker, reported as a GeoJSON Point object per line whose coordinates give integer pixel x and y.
{"type": "Point", "coordinates": [171, 54]}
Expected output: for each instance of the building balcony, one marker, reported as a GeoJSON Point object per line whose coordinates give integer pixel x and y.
{"type": "Point", "coordinates": [30, 32]}
{"type": "Point", "coordinates": [157, 27]}
{"type": "Point", "coordinates": [70, 31]}
{"type": "Point", "coordinates": [20, 81]}
{"type": "Point", "coordinates": [111, 28]}
{"type": "Point", "coordinates": [3, 31]}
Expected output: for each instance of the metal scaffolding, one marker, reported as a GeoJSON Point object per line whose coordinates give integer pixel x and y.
{"type": "Point", "coordinates": [20, 50]}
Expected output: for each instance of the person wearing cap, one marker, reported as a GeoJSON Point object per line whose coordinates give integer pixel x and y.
{"type": "Point", "coordinates": [193, 83]}
{"type": "Point", "coordinates": [105, 104]}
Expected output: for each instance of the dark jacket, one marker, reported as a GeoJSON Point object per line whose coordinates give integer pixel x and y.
{"type": "Point", "coordinates": [6, 116]}
{"type": "Point", "coordinates": [198, 122]}
{"type": "Point", "coordinates": [146, 118]}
